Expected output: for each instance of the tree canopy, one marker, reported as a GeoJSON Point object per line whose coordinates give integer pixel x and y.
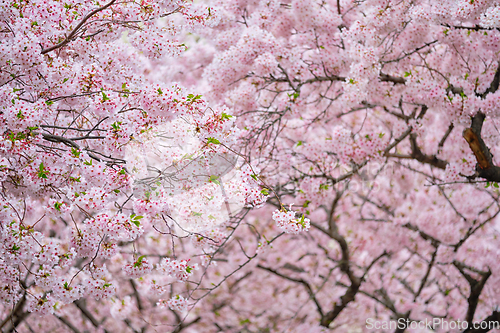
{"type": "Point", "coordinates": [249, 166]}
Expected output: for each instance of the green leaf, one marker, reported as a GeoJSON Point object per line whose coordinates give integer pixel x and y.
{"type": "Point", "coordinates": [116, 125]}
{"type": "Point", "coordinates": [407, 74]}
{"type": "Point", "coordinates": [495, 185]}
{"type": "Point", "coordinates": [214, 179]}
{"type": "Point", "coordinates": [104, 97]}
{"type": "Point", "coordinates": [213, 140]}
{"type": "Point", "coordinates": [139, 261]}
{"type": "Point", "coordinates": [264, 191]}
{"type": "Point", "coordinates": [75, 152]}
{"type": "Point", "coordinates": [225, 116]}
{"type": "Point", "coordinates": [192, 98]}
{"type": "Point", "coordinates": [159, 91]}
{"type": "Point", "coordinates": [75, 179]}
{"type": "Point", "coordinates": [41, 171]}
{"type": "Point", "coordinates": [135, 219]}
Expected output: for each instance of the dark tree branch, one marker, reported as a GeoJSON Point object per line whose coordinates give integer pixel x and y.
{"type": "Point", "coordinates": [475, 28]}
{"type": "Point", "coordinates": [185, 325]}
{"type": "Point", "coordinates": [16, 316]}
{"type": "Point", "coordinates": [484, 167]}
{"type": "Point", "coordinates": [490, 322]}
{"type": "Point", "coordinates": [476, 287]}
{"type": "Point", "coordinates": [494, 84]}
{"type": "Point", "coordinates": [80, 304]}
{"type": "Point", "coordinates": [70, 143]}
{"type": "Point", "coordinates": [74, 128]}
{"type": "Point", "coordinates": [445, 136]}
{"type": "Point", "coordinates": [69, 324]}
{"type": "Point", "coordinates": [353, 289]}
{"type": "Point", "coordinates": [423, 158]}
{"type": "Point", "coordinates": [422, 234]}
{"type": "Point", "coordinates": [427, 273]}
{"type": "Point", "coordinates": [389, 78]}
{"type": "Point", "coordinates": [136, 295]}
{"type": "Point", "coordinates": [73, 33]}
{"type": "Point", "coordinates": [301, 281]}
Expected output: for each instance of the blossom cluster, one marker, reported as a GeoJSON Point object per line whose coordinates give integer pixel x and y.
{"type": "Point", "coordinates": [177, 303]}
{"type": "Point", "coordinates": [178, 269]}
{"type": "Point", "coordinates": [287, 222]}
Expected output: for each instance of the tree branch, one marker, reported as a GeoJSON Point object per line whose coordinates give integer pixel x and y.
{"type": "Point", "coordinates": [484, 167]}
{"type": "Point", "coordinates": [353, 289]}
{"type": "Point", "coordinates": [73, 33]}
{"type": "Point", "coordinates": [301, 281]}
{"type": "Point", "coordinates": [476, 287]}
{"type": "Point", "coordinates": [68, 323]}
{"type": "Point", "coordinates": [491, 321]}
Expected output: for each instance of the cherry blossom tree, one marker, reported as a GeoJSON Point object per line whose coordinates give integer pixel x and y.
{"type": "Point", "coordinates": [249, 166]}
